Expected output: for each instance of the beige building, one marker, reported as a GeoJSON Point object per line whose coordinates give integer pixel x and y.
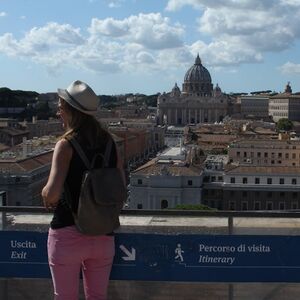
{"type": "Point", "coordinates": [285, 105]}
{"type": "Point", "coordinates": [198, 102]}
{"type": "Point", "coordinates": [261, 188]}
{"type": "Point", "coordinates": [255, 106]}
{"type": "Point", "coordinates": [265, 152]}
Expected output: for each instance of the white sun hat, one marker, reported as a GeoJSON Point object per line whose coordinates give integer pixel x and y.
{"type": "Point", "coordinates": [80, 96]}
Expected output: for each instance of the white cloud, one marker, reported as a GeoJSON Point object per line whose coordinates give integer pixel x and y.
{"type": "Point", "coordinates": [115, 4]}
{"type": "Point", "coordinates": [153, 43]}
{"type": "Point", "coordinates": [111, 45]}
{"type": "Point", "coordinates": [290, 2]}
{"type": "Point", "coordinates": [290, 68]}
{"type": "Point", "coordinates": [243, 31]}
{"type": "Point", "coordinates": [109, 27]}
{"type": "Point", "coordinates": [3, 14]}
{"type": "Point", "coordinates": [145, 57]}
{"type": "Point", "coordinates": [174, 5]}
{"type": "Point", "coordinates": [149, 30]}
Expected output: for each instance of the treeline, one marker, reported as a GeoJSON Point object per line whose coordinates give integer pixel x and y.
{"type": "Point", "coordinates": [16, 98]}
{"type": "Point", "coordinates": [27, 101]}
{"type": "Point", "coordinates": [117, 100]}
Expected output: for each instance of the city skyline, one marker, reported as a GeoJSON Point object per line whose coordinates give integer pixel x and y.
{"type": "Point", "coordinates": [139, 46]}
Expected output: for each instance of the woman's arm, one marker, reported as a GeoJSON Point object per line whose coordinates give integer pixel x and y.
{"type": "Point", "coordinates": [60, 165]}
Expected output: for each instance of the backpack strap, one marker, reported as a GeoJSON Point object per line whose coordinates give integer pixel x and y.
{"type": "Point", "coordinates": [107, 154]}
{"type": "Point", "coordinates": [81, 153]}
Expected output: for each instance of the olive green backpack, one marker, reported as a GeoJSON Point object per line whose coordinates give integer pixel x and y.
{"type": "Point", "coordinates": [102, 195]}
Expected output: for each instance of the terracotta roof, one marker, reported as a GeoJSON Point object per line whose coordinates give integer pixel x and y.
{"type": "Point", "coordinates": [285, 96]}
{"type": "Point", "coordinates": [216, 138]}
{"type": "Point", "coordinates": [28, 164]}
{"type": "Point", "coordinates": [13, 131]}
{"type": "Point", "coordinates": [155, 168]}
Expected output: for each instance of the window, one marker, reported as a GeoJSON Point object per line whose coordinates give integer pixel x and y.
{"type": "Point", "coordinates": [294, 205]}
{"type": "Point", "coordinates": [295, 195]}
{"type": "Point", "coordinates": [257, 181]}
{"type": "Point", "coordinates": [269, 180]}
{"type": "Point", "coordinates": [257, 205]}
{"type": "Point", "coordinates": [282, 194]}
{"type": "Point", "coordinates": [232, 193]}
{"type": "Point", "coordinates": [238, 154]}
{"type": "Point", "coordinates": [266, 154]}
{"type": "Point", "coordinates": [281, 180]}
{"type": "Point", "coordinates": [213, 178]}
{"type": "Point", "coordinates": [281, 205]}
{"type": "Point", "coordinates": [269, 205]}
{"type": "Point", "coordinates": [245, 154]}
{"type": "Point", "coordinates": [232, 179]}
{"type": "Point", "coordinates": [294, 181]}
{"type": "Point", "coordinates": [140, 181]}
{"type": "Point", "coordinates": [220, 178]}
{"type": "Point", "coordinates": [244, 194]}
{"type": "Point", "coordinates": [232, 205]}
{"type": "Point", "coordinates": [258, 154]}
{"type": "Point", "coordinates": [190, 182]}
{"type": "Point", "coordinates": [279, 155]}
{"type": "Point", "coordinates": [269, 194]}
{"type": "Point", "coordinates": [206, 179]}
{"type": "Point", "coordinates": [294, 155]}
{"type": "Point", "coordinates": [140, 206]}
{"type": "Point", "coordinates": [244, 205]}
{"type": "Point", "coordinates": [245, 180]}
{"type": "Point", "coordinates": [286, 155]}
{"type": "Point", "coordinates": [164, 204]}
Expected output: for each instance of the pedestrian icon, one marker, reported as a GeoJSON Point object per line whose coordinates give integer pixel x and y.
{"type": "Point", "coordinates": [178, 252]}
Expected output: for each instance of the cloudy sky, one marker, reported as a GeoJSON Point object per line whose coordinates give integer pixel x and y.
{"type": "Point", "coordinates": [145, 46]}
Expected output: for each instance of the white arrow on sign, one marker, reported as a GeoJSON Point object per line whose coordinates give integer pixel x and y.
{"type": "Point", "coordinates": [130, 255]}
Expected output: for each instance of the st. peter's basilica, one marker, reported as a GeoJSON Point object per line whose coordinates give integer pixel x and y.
{"type": "Point", "coordinates": [198, 102]}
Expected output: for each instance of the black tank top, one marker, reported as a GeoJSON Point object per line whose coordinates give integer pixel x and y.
{"type": "Point", "coordinates": [62, 216]}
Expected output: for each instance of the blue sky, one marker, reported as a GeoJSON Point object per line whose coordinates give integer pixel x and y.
{"type": "Point", "coordinates": [145, 46]}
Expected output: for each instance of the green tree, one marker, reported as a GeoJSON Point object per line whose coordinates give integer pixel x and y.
{"type": "Point", "coordinates": [284, 124]}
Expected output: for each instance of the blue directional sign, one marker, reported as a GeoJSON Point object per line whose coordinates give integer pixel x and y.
{"type": "Point", "coordinates": [202, 258]}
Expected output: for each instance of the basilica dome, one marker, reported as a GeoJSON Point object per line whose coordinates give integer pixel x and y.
{"type": "Point", "coordinates": [197, 80]}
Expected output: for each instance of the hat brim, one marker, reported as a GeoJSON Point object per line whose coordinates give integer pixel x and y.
{"type": "Point", "coordinates": [62, 93]}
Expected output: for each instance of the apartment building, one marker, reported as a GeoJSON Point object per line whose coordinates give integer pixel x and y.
{"type": "Point", "coordinates": [285, 105]}
{"type": "Point", "coordinates": [261, 188]}
{"type": "Point", "coordinates": [265, 152]}
{"type": "Point", "coordinates": [259, 175]}
{"type": "Point", "coordinates": [255, 106]}
{"type": "Point", "coordinates": [22, 180]}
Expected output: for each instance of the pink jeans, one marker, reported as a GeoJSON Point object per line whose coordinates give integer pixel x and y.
{"type": "Point", "coordinates": [69, 251]}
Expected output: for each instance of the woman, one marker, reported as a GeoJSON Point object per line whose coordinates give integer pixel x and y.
{"type": "Point", "coordinates": [69, 251]}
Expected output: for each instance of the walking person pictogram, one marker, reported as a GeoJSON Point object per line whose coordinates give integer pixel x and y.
{"type": "Point", "coordinates": [178, 252]}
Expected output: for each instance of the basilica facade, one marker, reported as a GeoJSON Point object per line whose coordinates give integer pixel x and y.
{"type": "Point", "coordinates": [198, 102]}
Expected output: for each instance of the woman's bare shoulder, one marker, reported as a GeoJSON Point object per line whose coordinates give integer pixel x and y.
{"type": "Point", "coordinates": [63, 147]}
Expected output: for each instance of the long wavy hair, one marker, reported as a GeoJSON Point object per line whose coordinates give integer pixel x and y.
{"type": "Point", "coordinates": [84, 125]}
